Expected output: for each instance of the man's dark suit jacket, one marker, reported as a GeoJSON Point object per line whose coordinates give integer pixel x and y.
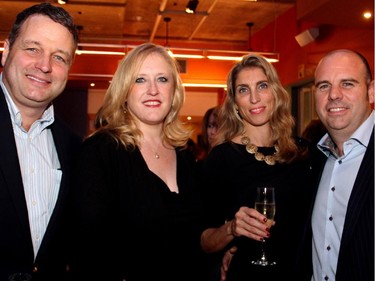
{"type": "Point", "coordinates": [356, 254]}
{"type": "Point", "coordinates": [16, 249]}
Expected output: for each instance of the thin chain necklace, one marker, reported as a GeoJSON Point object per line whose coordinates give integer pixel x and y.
{"type": "Point", "coordinates": [253, 149]}
{"type": "Point", "coordinates": [156, 154]}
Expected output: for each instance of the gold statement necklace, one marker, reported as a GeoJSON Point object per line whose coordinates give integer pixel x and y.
{"type": "Point", "coordinates": [253, 149]}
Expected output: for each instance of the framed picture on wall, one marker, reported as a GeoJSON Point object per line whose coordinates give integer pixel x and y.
{"type": "Point", "coordinates": [306, 107]}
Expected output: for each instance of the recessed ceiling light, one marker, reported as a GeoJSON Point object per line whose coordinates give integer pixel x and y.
{"type": "Point", "coordinates": [367, 15]}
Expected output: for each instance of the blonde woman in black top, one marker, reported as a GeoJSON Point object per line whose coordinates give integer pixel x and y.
{"type": "Point", "coordinates": [254, 148]}
{"type": "Point", "coordinates": [135, 204]}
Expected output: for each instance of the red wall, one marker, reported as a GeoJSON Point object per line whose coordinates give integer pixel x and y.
{"type": "Point", "coordinates": [292, 55]}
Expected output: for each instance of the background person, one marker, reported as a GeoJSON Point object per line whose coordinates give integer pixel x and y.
{"type": "Point", "coordinates": [314, 131]}
{"type": "Point", "coordinates": [36, 148]}
{"type": "Point", "coordinates": [209, 128]}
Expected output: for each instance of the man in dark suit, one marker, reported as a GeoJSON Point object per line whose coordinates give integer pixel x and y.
{"type": "Point", "coordinates": [36, 149]}
{"type": "Point", "coordinates": [342, 220]}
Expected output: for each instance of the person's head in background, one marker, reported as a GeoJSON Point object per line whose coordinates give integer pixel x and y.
{"type": "Point", "coordinates": [123, 111]}
{"type": "Point", "coordinates": [38, 55]}
{"type": "Point", "coordinates": [344, 93]}
{"type": "Point", "coordinates": [314, 131]}
{"type": "Point", "coordinates": [209, 127]}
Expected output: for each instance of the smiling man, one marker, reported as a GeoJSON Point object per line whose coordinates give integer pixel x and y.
{"type": "Point", "coordinates": [36, 148]}
{"type": "Point", "coordinates": [343, 215]}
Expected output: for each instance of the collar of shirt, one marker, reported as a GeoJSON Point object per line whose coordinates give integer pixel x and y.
{"type": "Point", "coordinates": [361, 136]}
{"type": "Point", "coordinates": [46, 119]}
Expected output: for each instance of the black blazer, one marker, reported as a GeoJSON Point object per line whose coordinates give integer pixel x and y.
{"type": "Point", "coordinates": [16, 250]}
{"type": "Point", "coordinates": [356, 254]}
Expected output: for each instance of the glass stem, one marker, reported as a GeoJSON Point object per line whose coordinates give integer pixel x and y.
{"type": "Point", "coordinates": [264, 258]}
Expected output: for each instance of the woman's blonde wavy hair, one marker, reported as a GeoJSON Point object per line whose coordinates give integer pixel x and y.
{"type": "Point", "coordinates": [114, 118]}
{"type": "Point", "coordinates": [281, 120]}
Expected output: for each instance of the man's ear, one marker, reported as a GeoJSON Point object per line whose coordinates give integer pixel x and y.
{"type": "Point", "coordinates": [5, 52]}
{"type": "Point", "coordinates": [371, 93]}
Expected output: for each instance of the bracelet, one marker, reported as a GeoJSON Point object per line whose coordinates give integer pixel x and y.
{"type": "Point", "coordinates": [232, 228]}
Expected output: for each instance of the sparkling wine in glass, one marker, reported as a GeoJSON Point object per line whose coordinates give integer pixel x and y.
{"type": "Point", "coordinates": [265, 204]}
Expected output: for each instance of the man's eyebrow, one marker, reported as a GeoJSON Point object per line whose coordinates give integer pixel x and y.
{"type": "Point", "coordinates": [28, 43]}
{"type": "Point", "coordinates": [321, 82]}
{"type": "Point", "coordinates": [350, 80]}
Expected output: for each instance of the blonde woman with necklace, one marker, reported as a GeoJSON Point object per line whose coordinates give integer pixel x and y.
{"type": "Point", "coordinates": [136, 207]}
{"type": "Point", "coordinates": [255, 148]}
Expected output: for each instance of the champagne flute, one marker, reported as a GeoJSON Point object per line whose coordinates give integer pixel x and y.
{"type": "Point", "coordinates": [265, 204]}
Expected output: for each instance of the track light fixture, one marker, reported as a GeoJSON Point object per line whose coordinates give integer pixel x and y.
{"type": "Point", "coordinates": [191, 6]}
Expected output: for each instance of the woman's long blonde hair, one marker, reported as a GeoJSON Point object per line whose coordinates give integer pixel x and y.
{"type": "Point", "coordinates": [281, 121]}
{"type": "Point", "coordinates": [114, 118]}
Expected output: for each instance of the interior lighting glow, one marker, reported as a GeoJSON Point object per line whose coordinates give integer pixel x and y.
{"type": "Point", "coordinates": [89, 52]}
{"type": "Point", "coordinates": [367, 15]}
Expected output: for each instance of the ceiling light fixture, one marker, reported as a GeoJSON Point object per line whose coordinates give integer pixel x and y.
{"type": "Point", "coordinates": [184, 56]}
{"type": "Point", "coordinates": [62, 2]}
{"type": "Point", "coordinates": [367, 15]}
{"type": "Point", "coordinates": [187, 56]}
{"type": "Point", "coordinates": [191, 6]}
{"type": "Point", "coordinates": [184, 53]}
{"type": "Point", "coordinates": [249, 26]}
{"type": "Point", "coordinates": [94, 52]}
{"type": "Point", "coordinates": [231, 58]}
{"type": "Point", "coordinates": [204, 85]}
{"type": "Point", "coordinates": [167, 21]}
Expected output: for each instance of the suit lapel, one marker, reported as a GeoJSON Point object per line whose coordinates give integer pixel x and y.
{"type": "Point", "coordinates": [360, 193]}
{"type": "Point", "coordinates": [9, 166]}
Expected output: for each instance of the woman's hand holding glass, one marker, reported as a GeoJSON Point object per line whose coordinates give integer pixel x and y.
{"type": "Point", "coordinates": [250, 223]}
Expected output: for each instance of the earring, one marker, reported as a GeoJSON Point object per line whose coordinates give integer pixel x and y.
{"type": "Point", "coordinates": [238, 113]}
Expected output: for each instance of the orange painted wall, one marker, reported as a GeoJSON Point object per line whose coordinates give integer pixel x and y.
{"type": "Point", "coordinates": [279, 36]}
{"type": "Point", "coordinates": [207, 71]}
{"type": "Point", "coordinates": [292, 55]}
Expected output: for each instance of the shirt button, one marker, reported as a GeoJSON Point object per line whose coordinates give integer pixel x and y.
{"type": "Point", "coordinates": [330, 218]}
{"type": "Point", "coordinates": [326, 278]}
{"type": "Point", "coordinates": [328, 248]}
{"type": "Point", "coordinates": [333, 188]}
